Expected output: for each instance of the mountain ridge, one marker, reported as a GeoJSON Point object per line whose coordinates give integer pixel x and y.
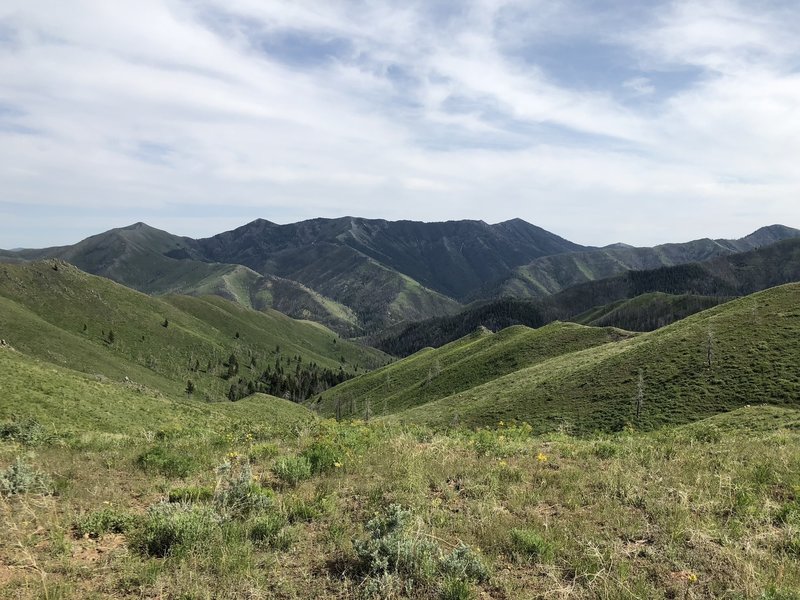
{"type": "Point", "coordinates": [361, 275]}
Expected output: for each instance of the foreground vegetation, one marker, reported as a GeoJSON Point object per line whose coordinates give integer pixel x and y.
{"type": "Point", "coordinates": [300, 508]}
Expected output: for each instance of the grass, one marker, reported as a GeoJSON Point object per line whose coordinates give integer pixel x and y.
{"type": "Point", "coordinates": [57, 313]}
{"type": "Point", "coordinates": [698, 511]}
{"type": "Point", "coordinates": [113, 489]}
{"type": "Point", "coordinates": [753, 345]}
{"type": "Point", "coordinates": [474, 360]}
{"type": "Point", "coordinates": [42, 401]}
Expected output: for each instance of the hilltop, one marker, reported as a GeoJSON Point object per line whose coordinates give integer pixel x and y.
{"type": "Point", "coordinates": [482, 356]}
{"type": "Point", "coordinates": [739, 353]}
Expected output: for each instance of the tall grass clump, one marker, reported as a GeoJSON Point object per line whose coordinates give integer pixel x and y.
{"type": "Point", "coordinates": [170, 529]}
{"type": "Point", "coordinates": [292, 470]}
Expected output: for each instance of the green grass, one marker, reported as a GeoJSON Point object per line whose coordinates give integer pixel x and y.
{"type": "Point", "coordinates": [58, 313]}
{"type": "Point", "coordinates": [707, 510]}
{"type": "Point", "coordinates": [754, 346]}
{"type": "Point", "coordinates": [648, 311]}
{"type": "Point", "coordinates": [461, 365]}
{"type": "Point", "coordinates": [66, 402]}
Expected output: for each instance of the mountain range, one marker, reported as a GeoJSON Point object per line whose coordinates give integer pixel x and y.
{"type": "Point", "coordinates": [360, 276]}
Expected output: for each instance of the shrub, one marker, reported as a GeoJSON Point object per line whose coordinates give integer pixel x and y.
{"type": "Point", "coordinates": [529, 544]}
{"type": "Point", "coordinates": [21, 478]}
{"type": "Point", "coordinates": [322, 456]}
{"type": "Point", "coordinates": [105, 520]}
{"type": "Point", "coordinates": [395, 546]}
{"type": "Point", "coordinates": [170, 528]}
{"type": "Point", "coordinates": [465, 563]}
{"type": "Point", "coordinates": [25, 431]}
{"type": "Point", "coordinates": [191, 494]}
{"type": "Point", "coordinates": [292, 469]}
{"type": "Point", "coordinates": [238, 495]}
{"type": "Point", "coordinates": [267, 530]}
{"type": "Point", "coordinates": [166, 461]}
{"type": "Point", "coordinates": [397, 556]}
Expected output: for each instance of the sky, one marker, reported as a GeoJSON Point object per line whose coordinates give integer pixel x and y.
{"type": "Point", "coordinates": [601, 120]}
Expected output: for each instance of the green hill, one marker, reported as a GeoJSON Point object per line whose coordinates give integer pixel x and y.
{"type": "Point", "coordinates": [691, 287]}
{"type": "Point", "coordinates": [648, 311]}
{"type": "Point", "coordinates": [471, 361]}
{"type": "Point", "coordinates": [156, 262]}
{"type": "Point", "coordinates": [743, 352]}
{"type": "Point", "coordinates": [67, 402]}
{"type": "Point", "coordinates": [54, 311]}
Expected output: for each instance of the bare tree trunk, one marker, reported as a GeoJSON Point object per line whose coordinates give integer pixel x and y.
{"type": "Point", "coordinates": [639, 395]}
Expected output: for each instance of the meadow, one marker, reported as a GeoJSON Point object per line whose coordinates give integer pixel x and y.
{"type": "Point", "coordinates": [294, 506]}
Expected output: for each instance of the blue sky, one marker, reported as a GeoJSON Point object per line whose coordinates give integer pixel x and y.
{"type": "Point", "coordinates": [603, 121]}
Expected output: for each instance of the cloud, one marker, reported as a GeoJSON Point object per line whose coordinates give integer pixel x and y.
{"type": "Point", "coordinates": [683, 123]}
{"type": "Point", "coordinates": [640, 85]}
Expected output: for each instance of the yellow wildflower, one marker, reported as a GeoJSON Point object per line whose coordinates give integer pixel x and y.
{"type": "Point", "coordinates": [337, 465]}
{"type": "Point", "coordinates": [691, 577]}
{"type": "Point", "coordinates": [541, 458]}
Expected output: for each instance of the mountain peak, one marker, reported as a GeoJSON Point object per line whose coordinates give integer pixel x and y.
{"type": "Point", "coordinates": [771, 234]}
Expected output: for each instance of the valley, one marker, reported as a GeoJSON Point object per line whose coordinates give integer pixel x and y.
{"type": "Point", "coordinates": [325, 410]}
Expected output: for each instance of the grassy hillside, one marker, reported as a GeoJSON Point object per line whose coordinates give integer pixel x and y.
{"type": "Point", "coordinates": [742, 352]}
{"type": "Point", "coordinates": [66, 402]}
{"type": "Point", "coordinates": [157, 262]}
{"type": "Point", "coordinates": [54, 311]}
{"type": "Point", "coordinates": [212, 506]}
{"type": "Point", "coordinates": [648, 311]}
{"type": "Point", "coordinates": [476, 359]}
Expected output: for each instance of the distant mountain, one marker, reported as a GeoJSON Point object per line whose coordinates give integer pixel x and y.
{"type": "Point", "coordinates": [351, 274]}
{"type": "Point", "coordinates": [662, 295]}
{"type": "Point", "coordinates": [386, 272]}
{"type": "Point", "coordinates": [361, 276]}
{"type": "Point", "coordinates": [157, 262]}
{"type": "Point", "coordinates": [550, 274]}
{"type": "Point", "coordinates": [453, 258]}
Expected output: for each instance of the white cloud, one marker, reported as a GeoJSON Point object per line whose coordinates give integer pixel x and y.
{"type": "Point", "coordinates": [169, 103]}
{"type": "Point", "coordinates": [640, 85]}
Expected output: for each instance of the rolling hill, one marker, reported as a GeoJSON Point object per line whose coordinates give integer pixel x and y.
{"type": "Point", "coordinates": [743, 352]}
{"type": "Point", "coordinates": [360, 276]}
{"type": "Point", "coordinates": [643, 300]}
{"type": "Point", "coordinates": [53, 311]}
{"type": "Point", "coordinates": [432, 374]}
{"type": "Point", "coordinates": [156, 262]}
{"type": "Point", "coordinates": [69, 402]}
